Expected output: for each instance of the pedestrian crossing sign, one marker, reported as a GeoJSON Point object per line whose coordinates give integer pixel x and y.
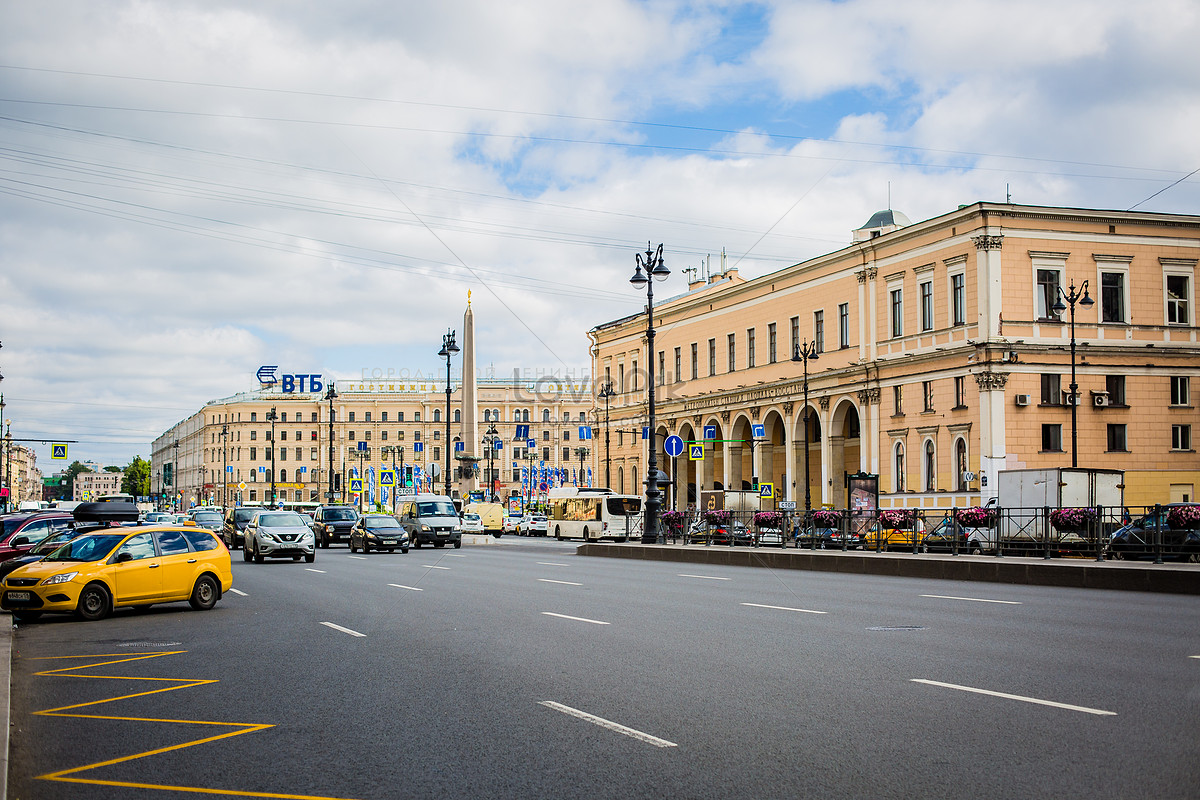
{"type": "Point", "coordinates": [766, 491]}
{"type": "Point", "coordinates": [387, 477]}
{"type": "Point", "coordinates": [58, 451]}
{"type": "Point", "coordinates": [356, 485]}
{"type": "Point", "coordinates": [695, 451]}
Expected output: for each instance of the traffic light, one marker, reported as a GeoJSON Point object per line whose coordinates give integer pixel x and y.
{"type": "Point", "coordinates": [337, 481]}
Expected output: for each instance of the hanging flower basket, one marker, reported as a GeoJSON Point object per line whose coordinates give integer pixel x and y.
{"type": "Point", "coordinates": [717, 518]}
{"type": "Point", "coordinates": [672, 520]}
{"type": "Point", "coordinates": [1073, 520]}
{"type": "Point", "coordinates": [826, 519]}
{"type": "Point", "coordinates": [1184, 517]}
{"type": "Point", "coordinates": [976, 517]}
{"type": "Point", "coordinates": [768, 519]}
{"type": "Point", "coordinates": [896, 518]}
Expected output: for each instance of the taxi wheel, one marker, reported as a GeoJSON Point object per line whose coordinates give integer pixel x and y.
{"type": "Point", "coordinates": [94, 603]}
{"type": "Point", "coordinates": [205, 593]}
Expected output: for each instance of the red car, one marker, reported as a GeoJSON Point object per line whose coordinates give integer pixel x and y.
{"type": "Point", "coordinates": [23, 531]}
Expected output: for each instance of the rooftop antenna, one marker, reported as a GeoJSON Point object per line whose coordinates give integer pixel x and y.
{"type": "Point", "coordinates": [1007, 194]}
{"type": "Point", "coordinates": [889, 205]}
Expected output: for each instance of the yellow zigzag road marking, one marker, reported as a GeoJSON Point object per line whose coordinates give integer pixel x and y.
{"type": "Point", "coordinates": [67, 775]}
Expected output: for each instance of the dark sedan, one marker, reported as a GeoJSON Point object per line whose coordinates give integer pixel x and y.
{"type": "Point", "coordinates": [378, 532]}
{"type": "Point", "coordinates": [1166, 532]}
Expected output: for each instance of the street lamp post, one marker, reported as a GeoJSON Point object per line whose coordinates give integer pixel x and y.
{"type": "Point", "coordinates": [489, 440]}
{"type": "Point", "coordinates": [395, 483]}
{"type": "Point", "coordinates": [175, 478]}
{"type": "Point", "coordinates": [582, 452]}
{"type": "Point", "coordinates": [272, 416]}
{"type": "Point", "coordinates": [607, 392]}
{"type": "Point", "coordinates": [3, 473]}
{"type": "Point", "coordinates": [449, 348]}
{"type": "Point", "coordinates": [654, 270]}
{"type": "Point", "coordinates": [805, 353]}
{"type": "Point", "coordinates": [1072, 297]}
{"type": "Point", "coordinates": [330, 395]}
{"type": "Point", "coordinates": [224, 467]}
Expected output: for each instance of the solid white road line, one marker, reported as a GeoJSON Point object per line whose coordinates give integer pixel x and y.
{"type": "Point", "coordinates": [577, 619]}
{"type": "Point", "coordinates": [564, 583]}
{"type": "Point", "coordinates": [455, 555]}
{"type": "Point", "coordinates": [1193, 656]}
{"type": "Point", "coordinates": [552, 564]}
{"type": "Point", "coordinates": [1067, 706]}
{"type": "Point", "coordinates": [344, 630]}
{"type": "Point", "coordinates": [310, 569]}
{"type": "Point", "coordinates": [972, 599]}
{"type": "Point", "coordinates": [240, 593]}
{"type": "Point", "coordinates": [784, 608]}
{"type": "Point", "coordinates": [704, 577]}
{"type": "Point", "coordinates": [604, 723]}
{"type": "Point", "coordinates": [433, 566]}
{"type": "Point", "coordinates": [360, 558]}
{"type": "Point", "coordinates": [402, 586]}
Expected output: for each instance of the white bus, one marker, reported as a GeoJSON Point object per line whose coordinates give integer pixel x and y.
{"type": "Point", "coordinates": [592, 514]}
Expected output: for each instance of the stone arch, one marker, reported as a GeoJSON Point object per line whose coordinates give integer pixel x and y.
{"type": "Point", "coordinates": [686, 480]}
{"type": "Point", "coordinates": [844, 444]}
{"type": "Point", "coordinates": [773, 461]}
{"type": "Point", "coordinates": [741, 452]}
{"type": "Point", "coordinates": [714, 455]}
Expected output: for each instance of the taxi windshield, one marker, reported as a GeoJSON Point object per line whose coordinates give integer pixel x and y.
{"type": "Point", "coordinates": [87, 548]}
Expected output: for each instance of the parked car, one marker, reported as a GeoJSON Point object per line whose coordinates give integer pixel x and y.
{"type": "Point", "coordinates": [1180, 538]}
{"type": "Point", "coordinates": [378, 532]}
{"type": "Point", "coordinates": [278, 534]}
{"type": "Point", "coordinates": [235, 523]}
{"type": "Point", "coordinates": [472, 523]}
{"type": "Point", "coordinates": [512, 523]}
{"type": "Point", "coordinates": [333, 523]}
{"type": "Point", "coordinates": [701, 533]}
{"type": "Point", "coordinates": [23, 531]}
{"type": "Point", "coordinates": [826, 538]}
{"type": "Point", "coordinates": [94, 573]}
{"type": "Point", "coordinates": [534, 525]}
{"type": "Point", "coordinates": [208, 519]}
{"type": "Point", "coordinates": [769, 537]}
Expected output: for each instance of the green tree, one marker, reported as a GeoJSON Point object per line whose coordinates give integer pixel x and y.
{"type": "Point", "coordinates": [112, 469]}
{"type": "Point", "coordinates": [68, 487]}
{"type": "Point", "coordinates": [136, 480]}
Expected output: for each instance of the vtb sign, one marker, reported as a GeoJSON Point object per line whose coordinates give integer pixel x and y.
{"type": "Point", "coordinates": [289, 383]}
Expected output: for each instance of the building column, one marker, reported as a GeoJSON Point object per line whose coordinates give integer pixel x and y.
{"type": "Point", "coordinates": [791, 488]}
{"type": "Point", "coordinates": [988, 283]}
{"type": "Point", "coordinates": [992, 447]}
{"type": "Point", "coordinates": [868, 450]}
{"type": "Point", "coordinates": [727, 459]}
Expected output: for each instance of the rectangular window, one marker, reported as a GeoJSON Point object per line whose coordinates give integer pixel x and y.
{"type": "Point", "coordinates": [621, 377]}
{"type": "Point", "coordinates": [283, 454]}
{"type": "Point", "coordinates": [351, 416]}
{"type": "Point", "coordinates": [1112, 296]}
{"type": "Point", "coordinates": [927, 306]}
{"type": "Point", "coordinates": [437, 454]}
{"type": "Point", "coordinates": [383, 416]}
{"type": "Point", "coordinates": [712, 356]}
{"type": "Point", "coordinates": [383, 435]}
{"type": "Point", "coordinates": [566, 454]}
{"type": "Point", "coordinates": [695, 361]}
{"type": "Point", "coordinates": [312, 455]}
{"type": "Point", "coordinates": [399, 416]}
{"type": "Point", "coordinates": [678, 365]}
{"type": "Point", "coordinates": [1115, 386]}
{"type": "Point", "coordinates": [283, 436]}
{"type": "Point", "coordinates": [819, 331]}
{"type": "Point", "coordinates": [1177, 300]}
{"type": "Point", "coordinates": [545, 436]}
{"type": "Point", "coordinates": [254, 454]}
{"type": "Point", "coordinates": [662, 367]}
{"type": "Point", "coordinates": [795, 335]}
{"type": "Point", "coordinates": [749, 347]}
{"type": "Point", "coordinates": [253, 435]}
{"type": "Point", "coordinates": [1047, 294]}
{"type": "Point", "coordinates": [566, 436]}
{"type": "Point", "coordinates": [416, 416]}
{"type": "Point", "coordinates": [1180, 394]}
{"type": "Point", "coordinates": [1116, 438]}
{"type": "Point", "coordinates": [897, 305]}
{"type": "Point", "coordinates": [1181, 437]}
{"type": "Point", "coordinates": [254, 416]}
{"type": "Point", "coordinates": [772, 343]}
{"type": "Point", "coordinates": [898, 400]}
{"type": "Point", "coordinates": [958, 299]}
{"type": "Point", "coordinates": [732, 352]}
{"type": "Point", "coordinates": [416, 436]}
{"type": "Point", "coordinates": [266, 454]}
{"type": "Point", "coordinates": [635, 375]}
{"type": "Point", "coordinates": [1052, 438]}
{"type": "Point", "coordinates": [546, 453]}
{"type": "Point", "coordinates": [927, 394]}
{"type": "Point", "coordinates": [844, 325]}
{"type": "Point", "coordinates": [516, 475]}
{"type": "Point", "coordinates": [367, 418]}
{"type": "Point", "coordinates": [960, 392]}
{"type": "Point", "coordinates": [1051, 390]}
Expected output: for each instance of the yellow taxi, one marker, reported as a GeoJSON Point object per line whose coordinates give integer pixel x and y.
{"type": "Point", "coordinates": [115, 567]}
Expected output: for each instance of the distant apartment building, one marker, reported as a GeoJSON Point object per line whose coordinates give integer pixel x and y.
{"type": "Point", "coordinates": [93, 485]}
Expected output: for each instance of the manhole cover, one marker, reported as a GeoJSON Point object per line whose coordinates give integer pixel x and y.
{"type": "Point", "coordinates": [149, 644]}
{"type": "Point", "coordinates": [897, 628]}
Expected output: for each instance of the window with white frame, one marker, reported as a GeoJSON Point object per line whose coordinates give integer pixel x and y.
{"type": "Point", "coordinates": [1181, 437]}
{"type": "Point", "coordinates": [929, 466]}
{"type": "Point", "coordinates": [897, 312]}
{"type": "Point", "coordinates": [926, 305]}
{"type": "Point", "coordinates": [898, 460]}
{"type": "Point", "coordinates": [1179, 295]}
{"type": "Point", "coordinates": [1180, 390]}
{"type": "Point", "coordinates": [1113, 296]}
{"type": "Point", "coordinates": [958, 298]}
{"type": "Point", "coordinates": [819, 331]}
{"type": "Point", "coordinates": [1048, 281]}
{"type": "Point", "coordinates": [844, 325]}
{"type": "Point", "coordinates": [750, 347]}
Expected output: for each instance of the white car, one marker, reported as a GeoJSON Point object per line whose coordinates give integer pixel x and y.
{"type": "Point", "coordinates": [534, 525]}
{"type": "Point", "coordinates": [472, 523]}
{"type": "Point", "coordinates": [512, 524]}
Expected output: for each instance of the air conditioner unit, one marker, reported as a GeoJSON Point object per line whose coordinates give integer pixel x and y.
{"type": "Point", "coordinates": [1022, 399]}
{"type": "Point", "coordinates": [1069, 399]}
{"type": "Point", "coordinates": [1100, 400]}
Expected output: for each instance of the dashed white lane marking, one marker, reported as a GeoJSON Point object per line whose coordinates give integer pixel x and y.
{"type": "Point", "coordinates": [1193, 656]}
{"type": "Point", "coordinates": [604, 723]}
{"type": "Point", "coordinates": [240, 593]}
{"type": "Point", "coordinates": [552, 564]}
{"type": "Point", "coordinates": [344, 630]}
{"type": "Point", "coordinates": [564, 583]}
{"type": "Point", "coordinates": [360, 558]}
{"type": "Point", "coordinates": [1023, 699]}
{"type": "Point", "coordinates": [310, 569]}
{"type": "Point", "coordinates": [784, 608]}
{"type": "Point", "coordinates": [433, 566]}
{"type": "Point", "coordinates": [402, 586]}
{"type": "Point", "coordinates": [704, 577]}
{"type": "Point", "coordinates": [455, 555]}
{"type": "Point", "coordinates": [972, 599]}
{"type": "Point", "coordinates": [577, 619]}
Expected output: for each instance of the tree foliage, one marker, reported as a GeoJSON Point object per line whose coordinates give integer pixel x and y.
{"type": "Point", "coordinates": [136, 480]}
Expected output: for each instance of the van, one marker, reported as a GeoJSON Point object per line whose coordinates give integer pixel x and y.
{"type": "Point", "coordinates": [492, 515]}
{"type": "Point", "coordinates": [430, 519]}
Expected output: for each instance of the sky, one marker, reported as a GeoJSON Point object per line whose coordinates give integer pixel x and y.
{"type": "Point", "coordinates": [190, 190]}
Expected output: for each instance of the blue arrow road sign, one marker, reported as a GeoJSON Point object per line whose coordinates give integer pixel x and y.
{"type": "Point", "coordinates": [418, 447]}
{"type": "Point", "coordinates": [362, 447]}
{"type": "Point", "coordinates": [673, 445]}
{"type": "Point", "coordinates": [710, 431]}
{"type": "Point", "coordinates": [758, 431]}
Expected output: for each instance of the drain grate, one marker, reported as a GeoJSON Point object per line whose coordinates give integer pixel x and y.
{"type": "Point", "coordinates": [897, 628]}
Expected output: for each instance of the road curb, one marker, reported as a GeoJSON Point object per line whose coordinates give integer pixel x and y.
{"type": "Point", "coordinates": [1072, 572]}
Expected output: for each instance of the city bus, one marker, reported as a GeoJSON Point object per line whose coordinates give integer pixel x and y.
{"type": "Point", "coordinates": [593, 514]}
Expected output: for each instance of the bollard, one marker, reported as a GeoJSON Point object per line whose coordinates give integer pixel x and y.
{"type": "Point", "coordinates": [953, 527]}
{"type": "Point", "coordinates": [1158, 557]}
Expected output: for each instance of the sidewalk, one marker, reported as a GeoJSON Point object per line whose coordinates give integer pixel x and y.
{"type": "Point", "coordinates": [1081, 573]}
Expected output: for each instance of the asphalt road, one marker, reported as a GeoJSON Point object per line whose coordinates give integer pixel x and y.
{"type": "Point", "coordinates": [520, 670]}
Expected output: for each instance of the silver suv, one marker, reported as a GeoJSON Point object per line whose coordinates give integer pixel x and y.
{"type": "Point", "coordinates": [278, 534]}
